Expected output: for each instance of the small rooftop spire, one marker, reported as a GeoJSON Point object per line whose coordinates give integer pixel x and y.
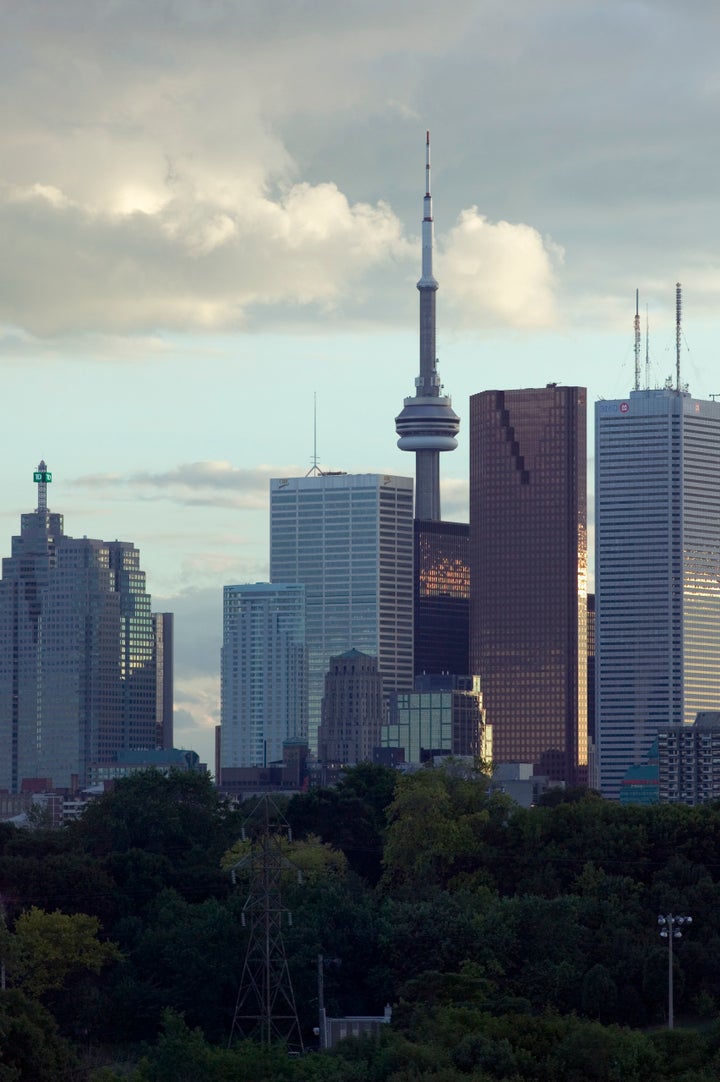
{"type": "Point", "coordinates": [42, 477]}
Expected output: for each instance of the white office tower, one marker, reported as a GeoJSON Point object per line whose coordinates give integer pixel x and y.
{"type": "Point", "coordinates": [657, 469]}
{"type": "Point", "coordinates": [264, 672]}
{"type": "Point", "coordinates": [349, 539]}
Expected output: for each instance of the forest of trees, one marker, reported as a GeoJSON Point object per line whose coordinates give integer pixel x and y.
{"type": "Point", "coordinates": [515, 945]}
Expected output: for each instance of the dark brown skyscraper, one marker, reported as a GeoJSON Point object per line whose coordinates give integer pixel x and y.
{"type": "Point", "coordinates": [442, 597]}
{"type": "Point", "coordinates": [528, 572]}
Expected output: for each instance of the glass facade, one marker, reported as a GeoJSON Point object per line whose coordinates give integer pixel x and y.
{"type": "Point", "coordinates": [77, 659]}
{"type": "Point", "coordinates": [348, 538]}
{"type": "Point", "coordinates": [528, 572]}
{"type": "Point", "coordinates": [657, 531]}
{"type": "Point", "coordinates": [442, 597]}
{"type": "Point", "coordinates": [263, 672]}
{"type": "Point", "coordinates": [444, 715]}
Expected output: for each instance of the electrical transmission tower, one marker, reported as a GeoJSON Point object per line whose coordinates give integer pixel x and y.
{"type": "Point", "coordinates": [265, 1008]}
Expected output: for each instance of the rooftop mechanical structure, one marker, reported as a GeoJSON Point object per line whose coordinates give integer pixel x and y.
{"type": "Point", "coordinates": [427, 423]}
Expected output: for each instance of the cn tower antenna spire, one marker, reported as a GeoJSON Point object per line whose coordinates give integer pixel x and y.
{"type": "Point", "coordinates": [427, 423]}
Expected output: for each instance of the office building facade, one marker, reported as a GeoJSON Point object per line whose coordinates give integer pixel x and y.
{"type": "Point", "coordinates": [528, 573]}
{"type": "Point", "coordinates": [348, 538]}
{"type": "Point", "coordinates": [352, 711]}
{"type": "Point", "coordinates": [443, 715]}
{"type": "Point", "coordinates": [77, 661]}
{"type": "Point", "coordinates": [163, 633]}
{"type": "Point", "coordinates": [442, 597]}
{"type": "Point", "coordinates": [263, 673]}
{"type": "Point", "coordinates": [657, 571]}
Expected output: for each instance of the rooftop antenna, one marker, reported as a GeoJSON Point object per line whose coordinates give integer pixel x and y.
{"type": "Point", "coordinates": [314, 469]}
{"type": "Point", "coordinates": [42, 476]}
{"type": "Point", "coordinates": [637, 340]}
{"type": "Point", "coordinates": [678, 332]}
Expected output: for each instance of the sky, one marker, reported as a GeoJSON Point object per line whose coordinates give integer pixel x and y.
{"type": "Point", "coordinates": [210, 217]}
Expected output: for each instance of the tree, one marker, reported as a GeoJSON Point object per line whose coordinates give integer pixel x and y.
{"type": "Point", "coordinates": [49, 947]}
{"type": "Point", "coordinates": [30, 1045]}
{"type": "Point", "coordinates": [437, 821]}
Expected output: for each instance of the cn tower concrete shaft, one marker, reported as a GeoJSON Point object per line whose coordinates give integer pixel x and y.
{"type": "Point", "coordinates": [427, 423]}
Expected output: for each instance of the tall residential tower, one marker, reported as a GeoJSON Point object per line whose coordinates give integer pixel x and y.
{"type": "Point", "coordinates": [427, 423]}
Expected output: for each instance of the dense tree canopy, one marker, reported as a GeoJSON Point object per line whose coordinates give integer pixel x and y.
{"type": "Point", "coordinates": [514, 944]}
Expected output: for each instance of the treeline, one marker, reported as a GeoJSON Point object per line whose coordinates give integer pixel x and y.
{"type": "Point", "coordinates": [519, 945]}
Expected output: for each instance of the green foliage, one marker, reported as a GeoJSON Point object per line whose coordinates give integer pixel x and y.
{"type": "Point", "coordinates": [437, 823]}
{"type": "Point", "coordinates": [31, 1049]}
{"type": "Point", "coordinates": [508, 940]}
{"type": "Point", "coordinates": [49, 947]}
{"type": "Point", "coordinates": [180, 817]}
{"type": "Point", "coordinates": [312, 858]}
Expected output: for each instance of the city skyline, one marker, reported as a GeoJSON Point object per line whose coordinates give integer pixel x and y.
{"type": "Point", "coordinates": [212, 214]}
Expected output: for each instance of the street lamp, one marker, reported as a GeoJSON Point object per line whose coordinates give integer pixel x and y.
{"type": "Point", "coordinates": [670, 928]}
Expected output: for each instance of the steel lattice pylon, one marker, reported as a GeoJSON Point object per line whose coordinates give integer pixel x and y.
{"type": "Point", "coordinates": [265, 1008]}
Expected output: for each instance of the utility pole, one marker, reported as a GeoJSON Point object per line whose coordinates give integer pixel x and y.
{"type": "Point", "coordinates": [265, 1008]}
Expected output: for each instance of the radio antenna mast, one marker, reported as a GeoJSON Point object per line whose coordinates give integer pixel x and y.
{"type": "Point", "coordinates": [314, 469]}
{"type": "Point", "coordinates": [637, 340]}
{"type": "Point", "coordinates": [678, 333]}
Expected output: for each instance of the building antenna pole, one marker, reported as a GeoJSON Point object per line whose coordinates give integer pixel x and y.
{"type": "Point", "coordinates": [678, 333]}
{"type": "Point", "coordinates": [314, 468]}
{"type": "Point", "coordinates": [637, 340]}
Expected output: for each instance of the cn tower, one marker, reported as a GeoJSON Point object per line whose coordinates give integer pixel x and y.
{"type": "Point", "coordinates": [427, 423]}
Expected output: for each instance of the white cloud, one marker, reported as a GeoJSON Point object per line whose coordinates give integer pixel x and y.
{"type": "Point", "coordinates": [500, 274]}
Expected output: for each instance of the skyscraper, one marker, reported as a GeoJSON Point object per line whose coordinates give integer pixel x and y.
{"type": "Point", "coordinates": [528, 569]}
{"type": "Point", "coordinates": [657, 574]}
{"type": "Point", "coordinates": [427, 423]}
{"type": "Point", "coordinates": [163, 632]}
{"type": "Point", "coordinates": [264, 672]}
{"type": "Point", "coordinates": [349, 539]}
{"type": "Point", "coordinates": [77, 664]}
{"type": "Point", "coordinates": [442, 597]}
{"type": "Point", "coordinates": [353, 710]}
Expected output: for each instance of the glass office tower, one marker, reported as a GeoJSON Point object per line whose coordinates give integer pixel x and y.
{"type": "Point", "coordinates": [657, 574]}
{"type": "Point", "coordinates": [348, 538]}
{"type": "Point", "coordinates": [528, 574]}
{"type": "Point", "coordinates": [442, 597]}
{"type": "Point", "coordinates": [77, 657]}
{"type": "Point", "coordinates": [264, 672]}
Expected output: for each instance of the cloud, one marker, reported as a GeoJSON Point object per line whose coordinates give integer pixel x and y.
{"type": "Point", "coordinates": [197, 261]}
{"type": "Point", "coordinates": [500, 274]}
{"type": "Point", "coordinates": [218, 484]}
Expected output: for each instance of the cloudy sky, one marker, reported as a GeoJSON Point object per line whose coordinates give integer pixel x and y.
{"type": "Point", "coordinates": [210, 216]}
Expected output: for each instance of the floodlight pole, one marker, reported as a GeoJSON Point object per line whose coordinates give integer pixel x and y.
{"type": "Point", "coordinates": [670, 928]}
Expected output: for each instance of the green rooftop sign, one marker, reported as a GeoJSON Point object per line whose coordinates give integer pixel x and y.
{"type": "Point", "coordinates": [42, 476]}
